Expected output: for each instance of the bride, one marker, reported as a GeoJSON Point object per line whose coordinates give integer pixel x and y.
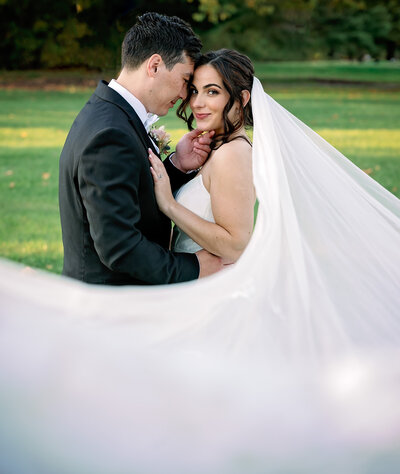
{"type": "Point", "coordinates": [286, 361]}
{"type": "Point", "coordinates": [215, 210]}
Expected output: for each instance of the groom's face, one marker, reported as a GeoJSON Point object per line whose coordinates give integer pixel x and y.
{"type": "Point", "coordinates": [171, 86]}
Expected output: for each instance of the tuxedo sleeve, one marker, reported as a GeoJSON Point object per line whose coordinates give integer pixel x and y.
{"type": "Point", "coordinates": [177, 178]}
{"type": "Point", "coordinates": [109, 174]}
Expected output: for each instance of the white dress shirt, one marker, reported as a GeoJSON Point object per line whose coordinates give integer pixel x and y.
{"type": "Point", "coordinates": [146, 118]}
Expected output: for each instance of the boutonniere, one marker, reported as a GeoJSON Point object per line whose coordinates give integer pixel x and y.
{"type": "Point", "coordinates": [161, 138]}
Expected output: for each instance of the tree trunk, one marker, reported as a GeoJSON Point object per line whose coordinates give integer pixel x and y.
{"type": "Point", "coordinates": [390, 50]}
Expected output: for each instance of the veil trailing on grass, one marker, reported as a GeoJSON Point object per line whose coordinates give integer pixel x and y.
{"type": "Point", "coordinates": [287, 360]}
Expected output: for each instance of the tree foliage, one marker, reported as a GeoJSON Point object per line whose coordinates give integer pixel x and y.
{"type": "Point", "coordinates": [304, 28]}
{"type": "Point", "coordinates": [71, 33]}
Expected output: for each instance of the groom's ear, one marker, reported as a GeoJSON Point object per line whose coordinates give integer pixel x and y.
{"type": "Point", "coordinates": [245, 97]}
{"type": "Point", "coordinates": [153, 64]}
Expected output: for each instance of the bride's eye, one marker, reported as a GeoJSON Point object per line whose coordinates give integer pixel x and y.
{"type": "Point", "coordinates": [212, 92]}
{"type": "Point", "coordinates": [193, 91]}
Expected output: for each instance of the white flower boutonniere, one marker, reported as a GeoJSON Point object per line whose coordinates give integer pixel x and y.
{"type": "Point", "coordinates": [161, 138]}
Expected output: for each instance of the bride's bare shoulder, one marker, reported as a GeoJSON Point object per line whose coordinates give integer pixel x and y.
{"type": "Point", "coordinates": [231, 163]}
{"type": "Point", "coordinates": [237, 151]}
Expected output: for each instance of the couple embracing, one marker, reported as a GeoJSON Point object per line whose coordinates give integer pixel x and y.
{"type": "Point", "coordinates": [116, 195]}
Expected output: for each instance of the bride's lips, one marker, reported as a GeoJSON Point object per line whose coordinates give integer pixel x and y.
{"type": "Point", "coordinates": [201, 116]}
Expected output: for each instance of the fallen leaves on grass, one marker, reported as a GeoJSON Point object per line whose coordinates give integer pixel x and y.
{"type": "Point", "coordinates": [28, 270]}
{"type": "Point", "coordinates": [371, 170]}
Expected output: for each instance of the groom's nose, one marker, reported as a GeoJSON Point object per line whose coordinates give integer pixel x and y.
{"type": "Point", "coordinates": [184, 92]}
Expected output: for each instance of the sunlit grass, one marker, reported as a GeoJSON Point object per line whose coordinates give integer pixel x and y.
{"type": "Point", "coordinates": [36, 253]}
{"type": "Point", "coordinates": [363, 123]}
{"type": "Point", "coordinates": [379, 143]}
{"type": "Point", "coordinates": [28, 137]}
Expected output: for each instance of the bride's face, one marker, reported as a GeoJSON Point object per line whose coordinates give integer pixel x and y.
{"type": "Point", "coordinates": [208, 99]}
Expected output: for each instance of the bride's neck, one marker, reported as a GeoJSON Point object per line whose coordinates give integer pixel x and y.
{"type": "Point", "coordinates": [238, 133]}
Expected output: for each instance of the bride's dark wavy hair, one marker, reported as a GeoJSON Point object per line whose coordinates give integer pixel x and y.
{"type": "Point", "coordinates": [237, 73]}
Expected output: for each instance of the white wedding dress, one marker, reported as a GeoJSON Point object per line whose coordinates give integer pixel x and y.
{"type": "Point", "coordinates": [195, 197]}
{"type": "Point", "coordinates": [288, 361]}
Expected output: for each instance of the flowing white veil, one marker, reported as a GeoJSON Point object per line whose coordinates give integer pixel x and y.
{"type": "Point", "coordinates": [287, 360]}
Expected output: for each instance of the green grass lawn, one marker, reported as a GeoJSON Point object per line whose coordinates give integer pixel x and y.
{"type": "Point", "coordinates": [362, 121]}
{"type": "Point", "coordinates": [294, 71]}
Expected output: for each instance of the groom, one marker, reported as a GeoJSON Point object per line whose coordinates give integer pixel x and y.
{"type": "Point", "coordinates": [113, 232]}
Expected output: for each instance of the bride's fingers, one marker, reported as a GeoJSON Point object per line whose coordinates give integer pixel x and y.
{"type": "Point", "coordinates": [152, 156]}
{"type": "Point", "coordinates": [157, 174]}
{"type": "Point", "coordinates": [154, 174]}
{"type": "Point", "coordinates": [157, 168]}
{"type": "Point", "coordinates": [155, 162]}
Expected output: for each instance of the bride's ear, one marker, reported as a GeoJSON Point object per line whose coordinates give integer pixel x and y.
{"type": "Point", "coordinates": [245, 97]}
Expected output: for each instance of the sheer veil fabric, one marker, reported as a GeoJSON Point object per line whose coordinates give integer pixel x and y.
{"type": "Point", "coordinates": [288, 359]}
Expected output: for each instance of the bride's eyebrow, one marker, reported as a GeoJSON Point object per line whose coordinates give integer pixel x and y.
{"type": "Point", "coordinates": [212, 85]}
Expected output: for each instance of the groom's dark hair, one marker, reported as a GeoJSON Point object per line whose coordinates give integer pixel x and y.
{"type": "Point", "coordinates": [168, 36]}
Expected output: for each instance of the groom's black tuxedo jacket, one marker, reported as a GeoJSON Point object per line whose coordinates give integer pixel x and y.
{"type": "Point", "coordinates": [113, 231]}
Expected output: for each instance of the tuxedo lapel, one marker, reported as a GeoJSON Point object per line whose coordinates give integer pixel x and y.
{"type": "Point", "coordinates": [151, 145]}
{"type": "Point", "coordinates": [110, 95]}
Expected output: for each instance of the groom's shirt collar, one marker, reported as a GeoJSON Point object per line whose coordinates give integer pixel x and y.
{"type": "Point", "coordinates": [146, 118]}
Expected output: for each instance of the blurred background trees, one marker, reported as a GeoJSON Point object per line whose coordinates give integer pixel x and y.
{"type": "Point", "coordinates": [88, 33]}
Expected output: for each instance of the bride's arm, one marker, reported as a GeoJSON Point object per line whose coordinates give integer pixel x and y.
{"type": "Point", "coordinates": [232, 200]}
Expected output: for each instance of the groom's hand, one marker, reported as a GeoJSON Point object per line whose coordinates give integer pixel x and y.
{"type": "Point", "coordinates": [209, 263]}
{"type": "Point", "coordinates": [192, 150]}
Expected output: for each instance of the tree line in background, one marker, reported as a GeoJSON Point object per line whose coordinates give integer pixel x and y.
{"type": "Point", "coordinates": [88, 33]}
